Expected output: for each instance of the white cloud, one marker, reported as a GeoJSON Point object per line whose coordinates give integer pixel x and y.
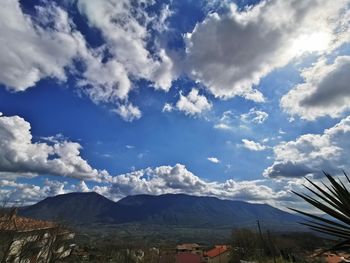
{"type": "Point", "coordinates": [154, 181]}
{"type": "Point", "coordinates": [20, 156]}
{"type": "Point", "coordinates": [230, 53]}
{"type": "Point", "coordinates": [48, 44]}
{"type": "Point", "coordinates": [325, 91]}
{"type": "Point", "coordinates": [177, 179]}
{"type": "Point", "coordinates": [312, 153]}
{"type": "Point", "coordinates": [20, 194]}
{"type": "Point", "coordinates": [280, 131]}
{"type": "Point", "coordinates": [222, 126]}
{"type": "Point", "coordinates": [123, 24]}
{"type": "Point", "coordinates": [128, 112]}
{"type": "Point", "coordinates": [229, 121]}
{"type": "Point", "coordinates": [192, 104]}
{"type": "Point", "coordinates": [254, 116]}
{"type": "Point", "coordinates": [125, 28]}
{"type": "Point", "coordinates": [252, 145]}
{"type": "Point", "coordinates": [221, 50]}
{"type": "Point", "coordinates": [29, 52]}
{"type": "Point", "coordinates": [226, 121]}
{"type": "Point", "coordinates": [81, 187]}
{"type": "Point", "coordinates": [167, 107]}
{"type": "Point", "coordinates": [160, 23]}
{"type": "Point", "coordinates": [24, 194]}
{"type": "Point", "coordinates": [104, 82]}
{"type": "Point", "coordinates": [213, 159]}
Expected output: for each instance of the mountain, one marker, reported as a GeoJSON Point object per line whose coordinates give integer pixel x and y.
{"type": "Point", "coordinates": [166, 210]}
{"type": "Point", "coordinates": [72, 208]}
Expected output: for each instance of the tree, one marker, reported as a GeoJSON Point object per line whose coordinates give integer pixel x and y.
{"type": "Point", "coordinates": [334, 200]}
{"type": "Point", "coordinates": [246, 244]}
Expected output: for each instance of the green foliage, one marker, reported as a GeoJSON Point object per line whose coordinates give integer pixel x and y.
{"type": "Point", "coordinates": [333, 200]}
{"type": "Point", "coordinates": [270, 247]}
{"type": "Point", "coordinates": [246, 244]}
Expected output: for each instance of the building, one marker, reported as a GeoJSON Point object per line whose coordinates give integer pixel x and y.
{"type": "Point", "coordinates": [334, 258]}
{"type": "Point", "coordinates": [219, 254]}
{"type": "Point", "coordinates": [28, 240]}
{"type": "Point", "coordinates": [191, 248]}
{"type": "Point", "coordinates": [187, 257]}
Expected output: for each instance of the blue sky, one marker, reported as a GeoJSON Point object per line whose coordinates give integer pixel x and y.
{"type": "Point", "coordinates": [234, 99]}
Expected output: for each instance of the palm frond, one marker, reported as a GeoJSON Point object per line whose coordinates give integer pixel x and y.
{"type": "Point", "coordinates": [333, 200]}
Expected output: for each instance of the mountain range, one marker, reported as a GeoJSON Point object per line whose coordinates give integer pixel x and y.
{"type": "Point", "coordinates": [163, 210]}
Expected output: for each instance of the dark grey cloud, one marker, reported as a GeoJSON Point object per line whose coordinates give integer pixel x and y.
{"type": "Point", "coordinates": [326, 91]}
{"type": "Point", "coordinates": [313, 153]}
{"type": "Point", "coordinates": [230, 53]}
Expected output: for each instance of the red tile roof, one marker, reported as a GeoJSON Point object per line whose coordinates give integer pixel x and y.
{"type": "Point", "coordinates": [335, 259]}
{"type": "Point", "coordinates": [187, 258]}
{"type": "Point", "coordinates": [23, 224]}
{"type": "Point", "coordinates": [216, 251]}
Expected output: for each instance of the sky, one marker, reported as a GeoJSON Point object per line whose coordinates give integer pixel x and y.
{"type": "Point", "coordinates": [234, 99]}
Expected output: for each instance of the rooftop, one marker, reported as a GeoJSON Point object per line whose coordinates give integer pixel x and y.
{"type": "Point", "coordinates": [216, 251]}
{"type": "Point", "coordinates": [192, 246]}
{"type": "Point", "coordinates": [13, 222]}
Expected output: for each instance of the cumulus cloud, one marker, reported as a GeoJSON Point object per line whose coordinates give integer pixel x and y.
{"type": "Point", "coordinates": [154, 181]}
{"type": "Point", "coordinates": [177, 179]}
{"type": "Point", "coordinates": [231, 52]}
{"type": "Point", "coordinates": [104, 82]}
{"type": "Point", "coordinates": [81, 187]}
{"type": "Point", "coordinates": [128, 112]}
{"type": "Point", "coordinates": [221, 51]}
{"type": "Point", "coordinates": [20, 156]}
{"type": "Point", "coordinates": [19, 194]}
{"type": "Point", "coordinates": [191, 104]}
{"type": "Point", "coordinates": [254, 116]}
{"type": "Point", "coordinates": [124, 26]}
{"type": "Point", "coordinates": [213, 159]}
{"type": "Point", "coordinates": [312, 153]}
{"type": "Point", "coordinates": [28, 51]}
{"type": "Point", "coordinates": [325, 91]}
{"type": "Point", "coordinates": [24, 194]}
{"type": "Point", "coordinates": [48, 45]}
{"type": "Point", "coordinates": [252, 145]}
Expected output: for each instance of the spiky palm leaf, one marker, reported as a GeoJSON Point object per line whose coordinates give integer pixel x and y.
{"type": "Point", "coordinates": [333, 200]}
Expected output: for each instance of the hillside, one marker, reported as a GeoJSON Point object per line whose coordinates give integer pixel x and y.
{"type": "Point", "coordinates": [168, 210]}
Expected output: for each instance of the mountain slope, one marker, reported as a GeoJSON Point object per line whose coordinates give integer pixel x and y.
{"type": "Point", "coordinates": [168, 210]}
{"type": "Point", "coordinates": [73, 208]}
{"type": "Point", "coordinates": [193, 211]}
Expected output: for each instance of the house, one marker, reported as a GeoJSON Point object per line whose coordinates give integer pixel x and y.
{"type": "Point", "coordinates": [219, 254]}
{"type": "Point", "coordinates": [187, 247]}
{"type": "Point", "coordinates": [28, 240]}
{"type": "Point", "coordinates": [187, 257]}
{"type": "Point", "coordinates": [191, 248]}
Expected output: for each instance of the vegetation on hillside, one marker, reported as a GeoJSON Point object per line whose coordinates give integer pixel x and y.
{"type": "Point", "coordinates": [264, 246]}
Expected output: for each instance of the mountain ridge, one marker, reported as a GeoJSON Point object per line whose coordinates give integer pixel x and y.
{"type": "Point", "coordinates": [167, 210]}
